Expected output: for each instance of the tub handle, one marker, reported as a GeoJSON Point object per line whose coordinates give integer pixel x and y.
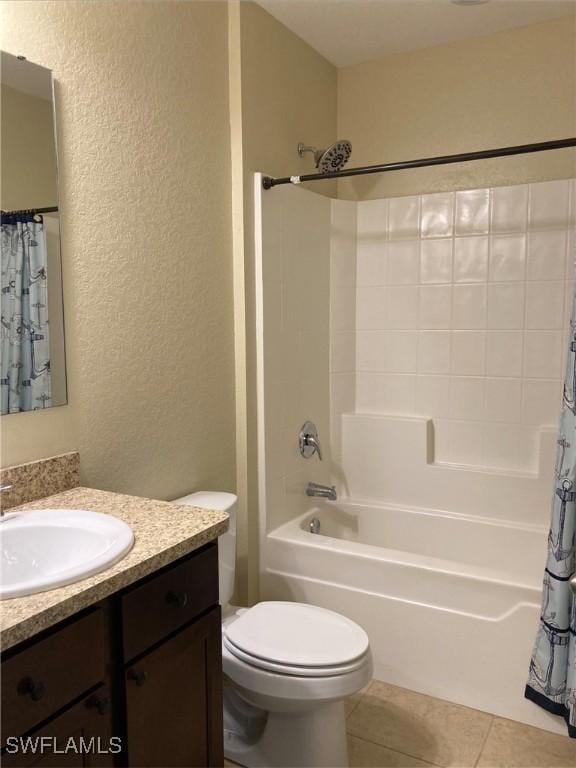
{"type": "Point", "coordinates": [309, 440]}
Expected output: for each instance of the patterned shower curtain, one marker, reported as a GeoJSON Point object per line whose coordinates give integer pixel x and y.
{"type": "Point", "coordinates": [552, 677]}
{"type": "Point", "coordinates": [25, 382]}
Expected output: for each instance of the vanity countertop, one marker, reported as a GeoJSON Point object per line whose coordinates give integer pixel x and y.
{"type": "Point", "coordinates": [163, 533]}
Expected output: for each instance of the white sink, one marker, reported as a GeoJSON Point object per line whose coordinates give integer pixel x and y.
{"type": "Point", "coordinates": [47, 548]}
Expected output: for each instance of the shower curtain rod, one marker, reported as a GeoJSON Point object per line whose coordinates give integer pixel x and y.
{"type": "Point", "coordinates": [30, 211]}
{"type": "Point", "coordinates": [269, 181]}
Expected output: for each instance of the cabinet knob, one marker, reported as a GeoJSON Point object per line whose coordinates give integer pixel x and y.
{"type": "Point", "coordinates": [29, 687]}
{"type": "Point", "coordinates": [179, 599]}
{"type": "Point", "coordinates": [138, 677]}
{"type": "Point", "coordinates": [101, 704]}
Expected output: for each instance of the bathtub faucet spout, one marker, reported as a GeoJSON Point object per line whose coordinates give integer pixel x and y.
{"type": "Point", "coordinates": [322, 491]}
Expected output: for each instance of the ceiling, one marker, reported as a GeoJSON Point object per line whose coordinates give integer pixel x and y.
{"type": "Point", "coordinates": [350, 31]}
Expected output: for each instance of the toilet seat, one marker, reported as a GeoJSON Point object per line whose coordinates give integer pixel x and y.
{"type": "Point", "coordinates": [284, 669]}
{"type": "Point", "coordinates": [296, 639]}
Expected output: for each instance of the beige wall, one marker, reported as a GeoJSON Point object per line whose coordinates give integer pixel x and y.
{"type": "Point", "coordinates": [28, 172]}
{"type": "Point", "coordinates": [145, 199]}
{"type": "Point", "coordinates": [513, 87]}
{"type": "Point", "coordinates": [288, 94]}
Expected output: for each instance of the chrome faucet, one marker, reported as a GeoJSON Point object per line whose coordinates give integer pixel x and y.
{"type": "Point", "coordinates": [309, 441]}
{"type": "Point", "coordinates": [322, 491]}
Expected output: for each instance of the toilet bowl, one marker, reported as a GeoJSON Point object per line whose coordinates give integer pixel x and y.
{"type": "Point", "coordinates": [288, 669]}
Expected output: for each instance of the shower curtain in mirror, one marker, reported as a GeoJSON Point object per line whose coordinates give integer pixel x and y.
{"type": "Point", "coordinates": [25, 382]}
{"type": "Point", "coordinates": [552, 676]}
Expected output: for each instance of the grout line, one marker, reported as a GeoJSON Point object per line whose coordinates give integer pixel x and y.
{"type": "Point", "coordinates": [361, 694]}
{"type": "Point", "coordinates": [398, 752]}
{"type": "Point", "coordinates": [488, 732]}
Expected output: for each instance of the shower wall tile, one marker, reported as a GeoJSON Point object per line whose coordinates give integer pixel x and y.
{"type": "Point", "coordinates": [507, 258]}
{"type": "Point", "coordinates": [357, 257]}
{"type": "Point", "coordinates": [434, 352]}
{"type": "Point", "coordinates": [433, 396]}
{"type": "Point", "coordinates": [506, 306]}
{"type": "Point", "coordinates": [469, 305]}
{"type": "Point", "coordinates": [403, 218]}
{"type": "Point", "coordinates": [343, 308]}
{"type": "Point", "coordinates": [471, 259]}
{"type": "Point", "coordinates": [545, 305]}
{"type": "Point", "coordinates": [467, 398]}
{"type": "Point", "coordinates": [372, 219]}
{"type": "Point", "coordinates": [372, 307]}
{"type": "Point", "coordinates": [472, 211]}
{"type": "Point", "coordinates": [437, 215]}
{"type": "Point", "coordinates": [549, 204]}
{"type": "Point", "coordinates": [371, 267]}
{"type": "Point", "coordinates": [465, 442]}
{"type": "Point", "coordinates": [371, 351]}
{"type": "Point", "coordinates": [503, 400]}
{"type": "Point", "coordinates": [547, 255]}
{"type": "Point", "coordinates": [462, 314]}
{"type": "Point", "coordinates": [403, 262]}
{"type": "Point", "coordinates": [468, 353]}
{"type": "Point", "coordinates": [385, 393]}
{"type": "Point", "coordinates": [401, 352]}
{"type": "Point", "coordinates": [342, 400]}
{"type": "Point", "coordinates": [435, 311]}
{"type": "Point", "coordinates": [542, 354]}
{"type": "Point", "coordinates": [401, 307]}
{"type": "Point", "coordinates": [436, 261]}
{"type": "Point", "coordinates": [343, 352]}
{"type": "Point", "coordinates": [541, 400]}
{"type": "Point", "coordinates": [504, 353]}
{"type": "Point", "coordinates": [510, 208]}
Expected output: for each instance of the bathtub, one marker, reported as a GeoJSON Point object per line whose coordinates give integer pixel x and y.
{"type": "Point", "coordinates": [450, 602]}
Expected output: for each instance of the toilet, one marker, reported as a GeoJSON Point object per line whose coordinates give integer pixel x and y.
{"type": "Point", "coordinates": [288, 669]}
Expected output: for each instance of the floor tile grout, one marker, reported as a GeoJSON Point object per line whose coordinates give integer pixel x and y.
{"type": "Point", "coordinates": [488, 732]}
{"type": "Point", "coordinates": [360, 697]}
{"type": "Point", "coordinates": [397, 751]}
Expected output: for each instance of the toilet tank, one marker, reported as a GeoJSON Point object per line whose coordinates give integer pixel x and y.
{"type": "Point", "coordinates": [227, 541]}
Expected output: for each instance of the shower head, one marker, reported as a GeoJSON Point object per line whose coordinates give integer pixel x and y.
{"type": "Point", "coordinates": [329, 160]}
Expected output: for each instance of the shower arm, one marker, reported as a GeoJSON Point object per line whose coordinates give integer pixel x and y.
{"type": "Point", "coordinates": [303, 148]}
{"type": "Point", "coordinates": [521, 149]}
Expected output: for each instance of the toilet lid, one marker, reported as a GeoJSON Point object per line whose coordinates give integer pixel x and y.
{"type": "Point", "coordinates": [296, 635]}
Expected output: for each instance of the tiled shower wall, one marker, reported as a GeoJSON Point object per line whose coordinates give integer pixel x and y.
{"type": "Point", "coordinates": [461, 315]}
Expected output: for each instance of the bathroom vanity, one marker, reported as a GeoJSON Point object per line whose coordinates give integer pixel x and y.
{"type": "Point", "coordinates": [128, 659]}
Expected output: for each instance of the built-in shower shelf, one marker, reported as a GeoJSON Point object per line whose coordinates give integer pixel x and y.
{"type": "Point", "coordinates": [391, 458]}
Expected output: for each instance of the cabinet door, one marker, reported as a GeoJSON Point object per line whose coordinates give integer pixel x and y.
{"type": "Point", "coordinates": [81, 737]}
{"type": "Point", "coordinates": [174, 700]}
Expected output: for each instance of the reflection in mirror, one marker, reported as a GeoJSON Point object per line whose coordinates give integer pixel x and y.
{"type": "Point", "coordinates": [32, 362]}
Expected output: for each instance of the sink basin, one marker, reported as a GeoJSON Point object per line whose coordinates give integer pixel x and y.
{"type": "Point", "coordinates": [47, 548]}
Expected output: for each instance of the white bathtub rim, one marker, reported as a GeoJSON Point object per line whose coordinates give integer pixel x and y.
{"type": "Point", "coordinates": [292, 532]}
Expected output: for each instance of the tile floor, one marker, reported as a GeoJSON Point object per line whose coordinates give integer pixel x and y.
{"type": "Point", "coordinates": [390, 727]}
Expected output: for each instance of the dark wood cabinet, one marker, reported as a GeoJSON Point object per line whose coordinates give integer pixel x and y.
{"type": "Point", "coordinates": [137, 679]}
{"type": "Point", "coordinates": [186, 671]}
{"type": "Point", "coordinates": [52, 671]}
{"type": "Point", "coordinates": [81, 737]}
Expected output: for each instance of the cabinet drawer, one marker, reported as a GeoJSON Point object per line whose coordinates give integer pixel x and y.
{"type": "Point", "coordinates": [165, 602]}
{"type": "Point", "coordinates": [44, 677]}
{"type": "Point", "coordinates": [88, 724]}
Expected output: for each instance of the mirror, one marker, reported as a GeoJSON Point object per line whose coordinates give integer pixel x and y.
{"type": "Point", "coordinates": [32, 355]}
